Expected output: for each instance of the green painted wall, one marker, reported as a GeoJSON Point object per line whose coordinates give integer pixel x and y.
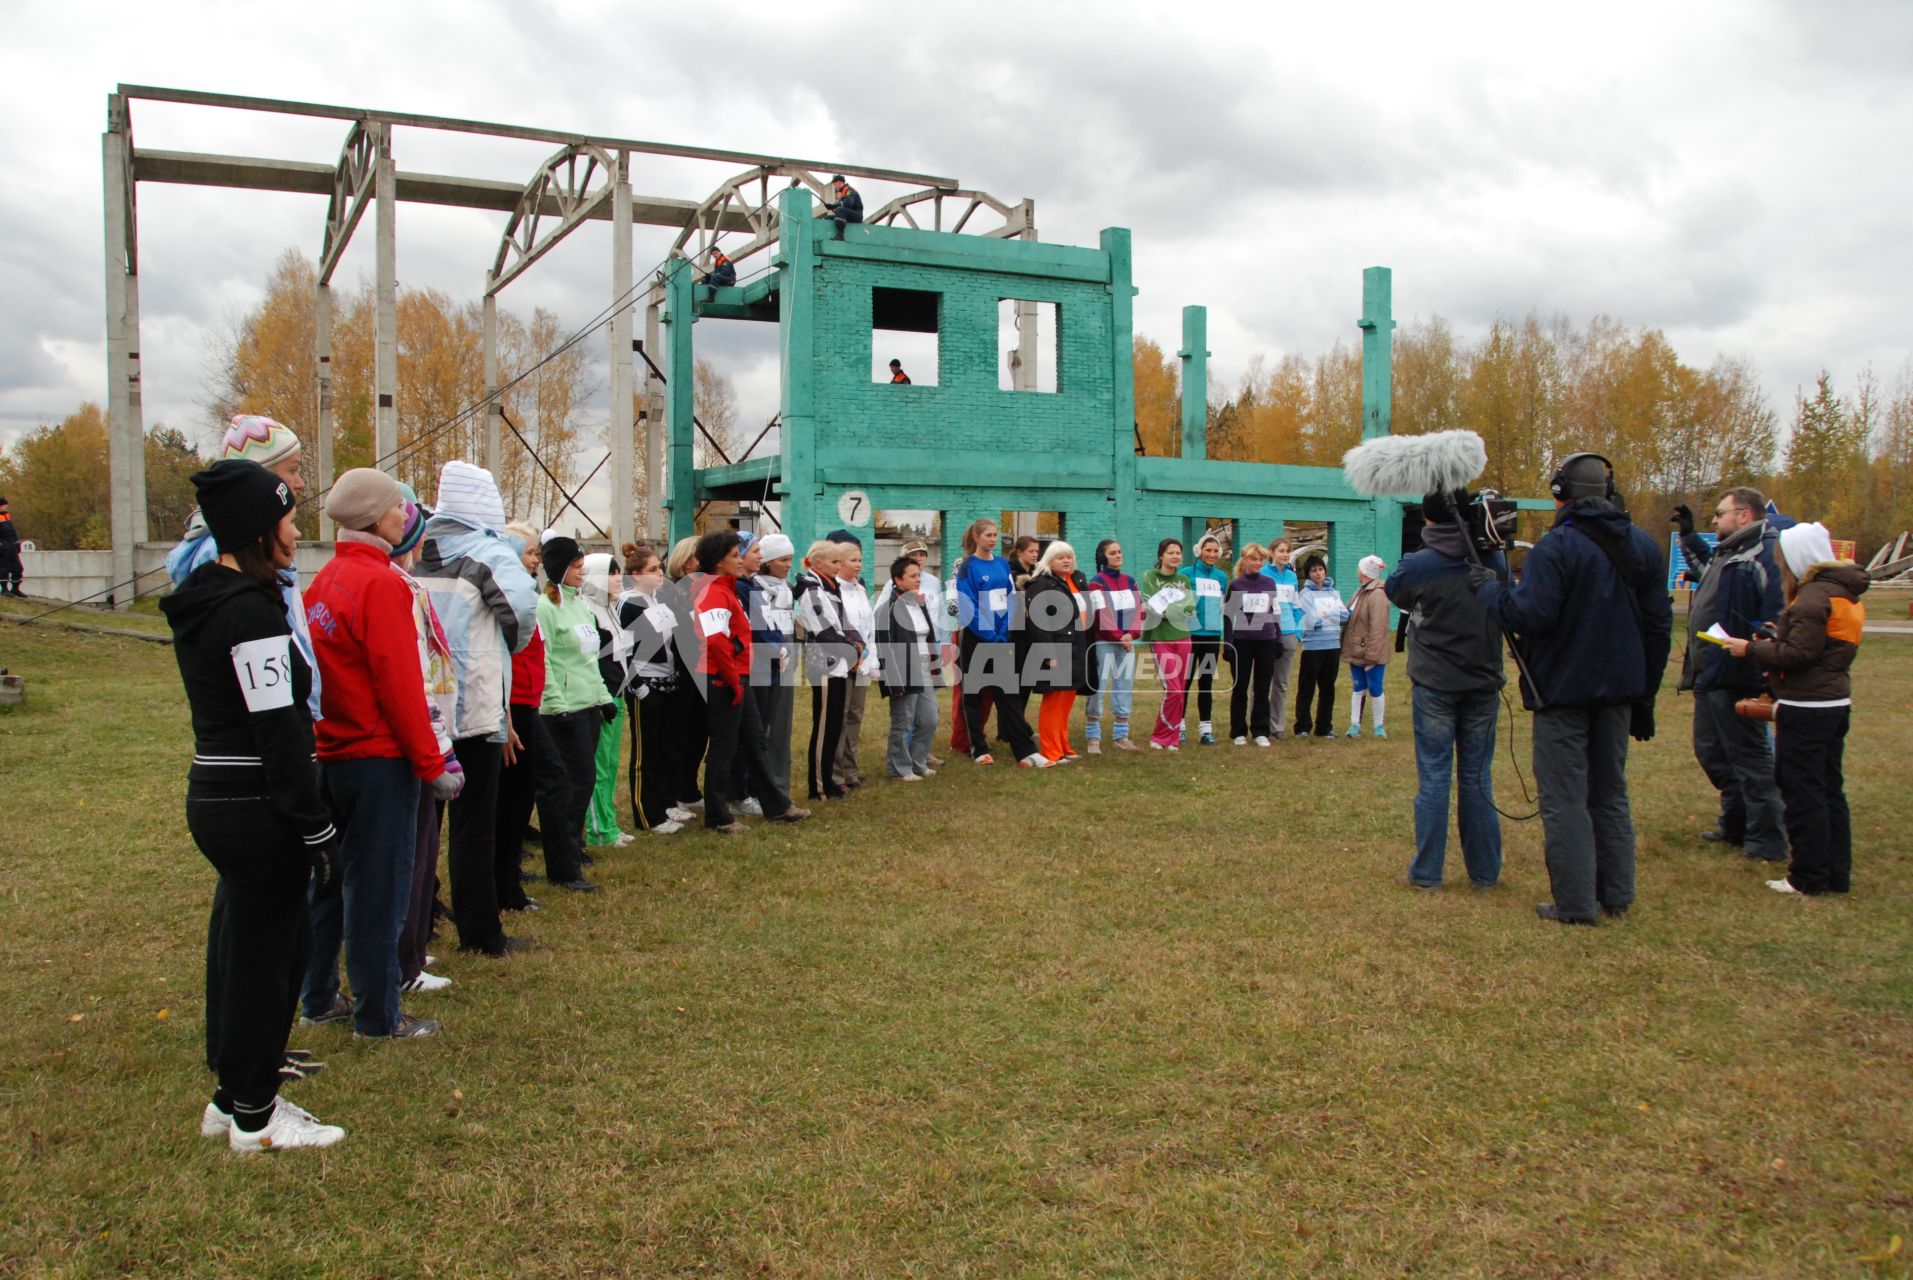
{"type": "Point", "coordinates": [967, 448]}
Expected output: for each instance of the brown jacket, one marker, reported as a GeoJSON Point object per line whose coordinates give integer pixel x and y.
{"type": "Point", "coordinates": [1365, 641]}
{"type": "Point", "coordinates": [1816, 636]}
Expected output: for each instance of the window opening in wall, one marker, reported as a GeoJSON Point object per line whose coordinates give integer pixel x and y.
{"type": "Point", "coordinates": [904, 326]}
{"type": "Point", "coordinates": [1026, 345]}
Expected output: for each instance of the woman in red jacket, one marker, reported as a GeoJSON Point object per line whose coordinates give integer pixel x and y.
{"type": "Point", "coordinates": [376, 746]}
{"type": "Point", "coordinates": [724, 668]}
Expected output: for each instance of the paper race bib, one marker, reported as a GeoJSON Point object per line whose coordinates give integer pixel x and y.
{"type": "Point", "coordinates": [1098, 601]}
{"type": "Point", "coordinates": [1122, 600]}
{"type": "Point", "coordinates": [587, 636]}
{"type": "Point", "coordinates": [1328, 609]}
{"type": "Point", "coordinates": [659, 615]}
{"type": "Point", "coordinates": [999, 600]}
{"type": "Point", "coordinates": [1163, 599]}
{"type": "Point", "coordinates": [1084, 603]}
{"type": "Point", "coordinates": [778, 620]}
{"type": "Point", "coordinates": [714, 622]}
{"type": "Point", "coordinates": [917, 621]}
{"type": "Point", "coordinates": [1255, 601]}
{"type": "Point", "coordinates": [1209, 587]}
{"type": "Point", "coordinates": [1284, 593]}
{"type": "Point", "coordinates": [264, 668]}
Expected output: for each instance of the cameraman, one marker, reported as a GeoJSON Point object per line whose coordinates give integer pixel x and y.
{"type": "Point", "coordinates": [1739, 589]}
{"type": "Point", "coordinates": [1454, 672]}
{"type": "Point", "coordinates": [1594, 623]}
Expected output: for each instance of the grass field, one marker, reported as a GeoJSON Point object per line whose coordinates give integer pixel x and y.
{"type": "Point", "coordinates": [1148, 1015]}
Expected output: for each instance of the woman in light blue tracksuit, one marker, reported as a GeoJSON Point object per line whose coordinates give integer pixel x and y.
{"type": "Point", "coordinates": [1288, 609]}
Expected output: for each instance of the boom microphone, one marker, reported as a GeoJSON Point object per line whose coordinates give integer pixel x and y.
{"type": "Point", "coordinates": [1440, 460]}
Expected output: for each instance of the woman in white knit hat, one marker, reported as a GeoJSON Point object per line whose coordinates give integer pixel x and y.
{"type": "Point", "coordinates": [1366, 648]}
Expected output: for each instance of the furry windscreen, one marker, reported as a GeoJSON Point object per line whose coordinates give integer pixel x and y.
{"type": "Point", "coordinates": [1444, 460]}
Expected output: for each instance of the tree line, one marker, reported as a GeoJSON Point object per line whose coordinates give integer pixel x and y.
{"type": "Point", "coordinates": [1537, 390]}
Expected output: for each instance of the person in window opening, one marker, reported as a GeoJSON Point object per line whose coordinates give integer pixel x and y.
{"type": "Point", "coordinates": [722, 275]}
{"type": "Point", "coordinates": [1170, 600]}
{"type": "Point", "coordinates": [253, 802]}
{"type": "Point", "coordinates": [1116, 613]}
{"type": "Point", "coordinates": [1205, 641]}
{"type": "Point", "coordinates": [848, 205]}
{"type": "Point", "coordinates": [724, 669]}
{"type": "Point", "coordinates": [898, 378]}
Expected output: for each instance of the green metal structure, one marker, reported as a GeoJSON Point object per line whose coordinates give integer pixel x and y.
{"type": "Point", "coordinates": [966, 448]}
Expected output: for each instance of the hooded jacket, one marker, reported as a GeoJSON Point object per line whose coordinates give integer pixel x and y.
{"type": "Point", "coordinates": [1286, 606]}
{"type": "Point", "coordinates": [1816, 638]}
{"type": "Point", "coordinates": [573, 681]}
{"type": "Point", "coordinates": [772, 608]}
{"type": "Point", "coordinates": [247, 685]}
{"type": "Point", "coordinates": [906, 642]}
{"type": "Point", "coordinates": [360, 610]}
{"type": "Point", "coordinates": [1323, 614]}
{"type": "Point", "coordinates": [197, 548]}
{"type": "Point", "coordinates": [1454, 643]}
{"type": "Point", "coordinates": [726, 632]}
{"type": "Point", "coordinates": [1595, 631]}
{"type": "Point", "coordinates": [1211, 583]}
{"type": "Point", "coordinates": [828, 652]}
{"type": "Point", "coordinates": [1365, 638]}
{"type": "Point", "coordinates": [650, 622]}
{"type": "Point", "coordinates": [1739, 589]}
{"type": "Point", "coordinates": [488, 604]}
{"type": "Point", "coordinates": [1052, 649]}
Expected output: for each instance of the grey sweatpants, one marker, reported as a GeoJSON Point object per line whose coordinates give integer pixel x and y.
{"type": "Point", "coordinates": [844, 768]}
{"type": "Point", "coordinates": [1279, 690]}
{"type": "Point", "coordinates": [1738, 757]}
{"type": "Point", "coordinates": [1580, 771]}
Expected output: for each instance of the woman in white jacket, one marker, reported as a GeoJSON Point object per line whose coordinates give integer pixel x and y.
{"type": "Point", "coordinates": [828, 658]}
{"type": "Point", "coordinates": [860, 626]}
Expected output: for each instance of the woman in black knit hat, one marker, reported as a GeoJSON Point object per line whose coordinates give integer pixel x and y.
{"type": "Point", "coordinates": [252, 801]}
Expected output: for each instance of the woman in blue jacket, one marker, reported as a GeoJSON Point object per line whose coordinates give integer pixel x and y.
{"type": "Point", "coordinates": [1289, 612]}
{"type": "Point", "coordinates": [985, 651]}
{"type": "Point", "coordinates": [1323, 614]}
{"type": "Point", "coordinates": [1211, 581]}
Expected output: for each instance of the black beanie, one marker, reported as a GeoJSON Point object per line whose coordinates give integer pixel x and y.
{"type": "Point", "coordinates": [242, 502]}
{"type": "Point", "coordinates": [844, 536]}
{"type": "Point", "coordinates": [1436, 508]}
{"type": "Point", "coordinates": [558, 553]}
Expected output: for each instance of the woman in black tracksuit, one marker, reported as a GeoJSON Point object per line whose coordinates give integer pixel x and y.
{"type": "Point", "coordinates": [253, 802]}
{"type": "Point", "coordinates": [654, 686]}
{"type": "Point", "coordinates": [829, 656]}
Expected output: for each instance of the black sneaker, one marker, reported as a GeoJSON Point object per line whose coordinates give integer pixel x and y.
{"type": "Point", "coordinates": [580, 885]}
{"type": "Point", "coordinates": [1614, 913]}
{"type": "Point", "coordinates": [408, 1028]}
{"type": "Point", "coordinates": [1718, 836]}
{"type": "Point", "coordinates": [1548, 911]}
{"type": "Point", "coordinates": [341, 1010]}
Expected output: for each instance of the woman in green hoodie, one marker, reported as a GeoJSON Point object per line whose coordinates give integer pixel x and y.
{"type": "Point", "coordinates": [1170, 616]}
{"type": "Point", "coordinates": [576, 705]}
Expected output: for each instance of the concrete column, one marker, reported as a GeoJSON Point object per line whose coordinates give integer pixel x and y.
{"type": "Point", "coordinates": [126, 435]}
{"type": "Point", "coordinates": [620, 339]}
{"type": "Point", "coordinates": [679, 470]}
{"type": "Point", "coordinates": [1195, 382]}
{"type": "Point", "coordinates": [488, 343]}
{"type": "Point", "coordinates": [385, 440]}
{"type": "Point", "coordinates": [1378, 340]}
{"type": "Point", "coordinates": [654, 527]}
{"type": "Point", "coordinates": [797, 304]}
{"type": "Point", "coordinates": [1122, 380]}
{"type": "Point", "coordinates": [320, 479]}
{"type": "Point", "coordinates": [1023, 368]}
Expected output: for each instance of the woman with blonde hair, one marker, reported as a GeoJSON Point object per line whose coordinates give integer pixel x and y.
{"type": "Point", "coordinates": [985, 652]}
{"type": "Point", "coordinates": [828, 656]}
{"type": "Point", "coordinates": [688, 713]}
{"type": "Point", "coordinates": [1254, 638]}
{"type": "Point", "coordinates": [1053, 646]}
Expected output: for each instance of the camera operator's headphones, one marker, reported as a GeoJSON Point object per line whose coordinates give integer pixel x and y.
{"type": "Point", "coordinates": [1582, 475]}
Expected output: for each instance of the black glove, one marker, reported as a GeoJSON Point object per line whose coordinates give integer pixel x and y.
{"type": "Point", "coordinates": [1478, 574]}
{"type": "Point", "coordinates": [609, 710]}
{"type": "Point", "coordinates": [1640, 724]}
{"type": "Point", "coordinates": [324, 858]}
{"type": "Point", "coordinates": [1683, 519]}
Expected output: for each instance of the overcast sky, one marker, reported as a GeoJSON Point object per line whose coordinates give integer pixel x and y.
{"type": "Point", "coordinates": [1731, 172]}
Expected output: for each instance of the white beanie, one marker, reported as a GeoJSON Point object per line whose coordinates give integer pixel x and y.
{"type": "Point", "coordinates": [470, 494]}
{"type": "Point", "coordinates": [1373, 566]}
{"type": "Point", "coordinates": [1804, 546]}
{"type": "Point", "coordinates": [776, 546]}
{"type": "Point", "coordinates": [548, 535]}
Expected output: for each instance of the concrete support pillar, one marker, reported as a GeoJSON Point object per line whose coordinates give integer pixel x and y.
{"type": "Point", "coordinates": [654, 526]}
{"type": "Point", "coordinates": [126, 434]}
{"type": "Point", "coordinates": [1195, 382]}
{"type": "Point", "coordinates": [680, 475]}
{"type": "Point", "coordinates": [1122, 380]}
{"type": "Point", "coordinates": [494, 411]}
{"type": "Point", "coordinates": [1378, 340]}
{"type": "Point", "coordinates": [320, 478]}
{"type": "Point", "coordinates": [385, 442]}
{"type": "Point", "coordinates": [620, 339]}
{"type": "Point", "coordinates": [797, 404]}
{"type": "Point", "coordinates": [1023, 363]}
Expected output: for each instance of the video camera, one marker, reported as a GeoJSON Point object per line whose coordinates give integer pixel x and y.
{"type": "Point", "coordinates": [1488, 517]}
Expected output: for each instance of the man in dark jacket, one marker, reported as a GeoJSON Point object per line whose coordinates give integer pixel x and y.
{"type": "Point", "coordinates": [848, 205]}
{"type": "Point", "coordinates": [1454, 672]}
{"type": "Point", "coordinates": [1739, 589]}
{"type": "Point", "coordinates": [10, 570]}
{"type": "Point", "coordinates": [722, 275]}
{"type": "Point", "coordinates": [1593, 622]}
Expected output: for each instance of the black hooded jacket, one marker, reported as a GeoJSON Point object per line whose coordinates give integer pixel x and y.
{"type": "Point", "coordinates": [247, 686]}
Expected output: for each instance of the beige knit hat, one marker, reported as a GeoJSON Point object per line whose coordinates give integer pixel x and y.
{"type": "Point", "coordinates": [360, 498]}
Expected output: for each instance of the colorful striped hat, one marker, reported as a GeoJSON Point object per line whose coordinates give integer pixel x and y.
{"type": "Point", "coordinates": [256, 438]}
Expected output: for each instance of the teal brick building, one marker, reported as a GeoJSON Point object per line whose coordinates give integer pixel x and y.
{"type": "Point", "coordinates": [966, 447]}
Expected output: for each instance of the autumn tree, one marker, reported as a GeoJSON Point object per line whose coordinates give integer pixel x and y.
{"type": "Point", "coordinates": [171, 460]}
{"type": "Point", "coordinates": [1824, 454]}
{"type": "Point", "coordinates": [56, 482]}
{"type": "Point", "coordinates": [1158, 382]}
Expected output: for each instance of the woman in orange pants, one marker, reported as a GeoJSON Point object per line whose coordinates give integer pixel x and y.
{"type": "Point", "coordinates": [1053, 646]}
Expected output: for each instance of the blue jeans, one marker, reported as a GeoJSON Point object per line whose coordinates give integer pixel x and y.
{"type": "Point", "coordinates": [1458, 730]}
{"type": "Point", "coordinates": [1116, 681]}
{"type": "Point", "coordinates": [376, 805]}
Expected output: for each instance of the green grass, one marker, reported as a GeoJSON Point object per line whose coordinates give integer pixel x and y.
{"type": "Point", "coordinates": [1148, 1015]}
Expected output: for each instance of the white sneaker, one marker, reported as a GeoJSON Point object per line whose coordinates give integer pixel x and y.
{"type": "Point", "coordinates": [697, 804]}
{"type": "Point", "coordinates": [748, 807]}
{"type": "Point", "coordinates": [926, 773]}
{"type": "Point", "coordinates": [1095, 747]}
{"type": "Point", "coordinates": [1261, 742]}
{"type": "Point", "coordinates": [214, 1123]}
{"type": "Point", "coordinates": [1782, 885]}
{"type": "Point", "coordinates": [624, 838]}
{"type": "Point", "coordinates": [671, 827]}
{"type": "Point", "coordinates": [1035, 760]}
{"type": "Point", "coordinates": [905, 777]}
{"type": "Point", "coordinates": [1154, 745]}
{"type": "Point", "coordinates": [1240, 742]}
{"type": "Point", "coordinates": [678, 813]}
{"type": "Point", "coordinates": [426, 982]}
{"type": "Point", "coordinates": [289, 1127]}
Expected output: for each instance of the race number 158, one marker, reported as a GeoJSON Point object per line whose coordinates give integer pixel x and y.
{"type": "Point", "coordinates": [264, 668]}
